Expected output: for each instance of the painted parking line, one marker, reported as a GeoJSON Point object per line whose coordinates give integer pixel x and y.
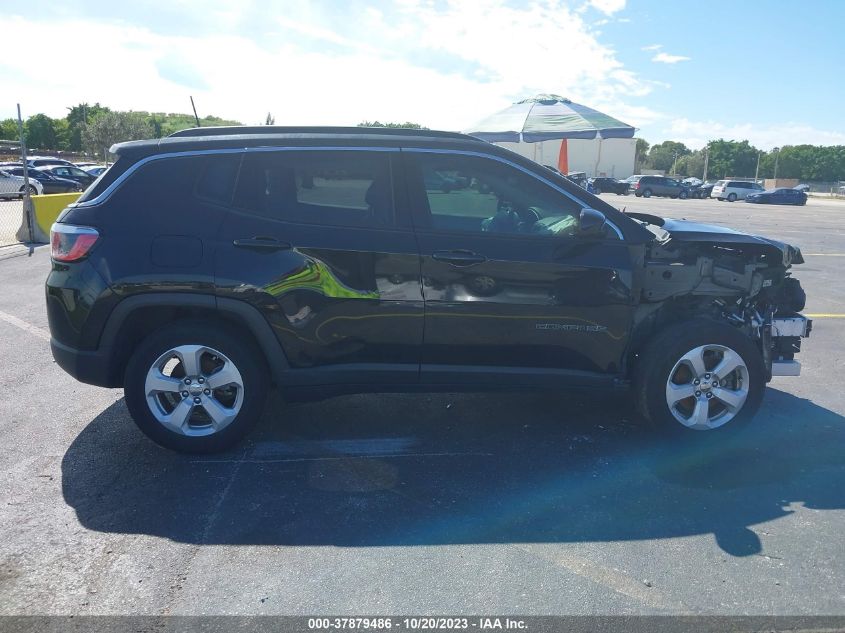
{"type": "Point", "coordinates": [825, 315]}
{"type": "Point", "coordinates": [824, 254]}
{"type": "Point", "coordinates": [23, 325]}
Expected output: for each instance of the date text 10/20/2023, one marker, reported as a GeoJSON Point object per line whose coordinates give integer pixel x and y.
{"type": "Point", "coordinates": [417, 623]}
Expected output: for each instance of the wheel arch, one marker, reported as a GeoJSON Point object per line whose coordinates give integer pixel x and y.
{"type": "Point", "coordinates": [136, 317]}
{"type": "Point", "coordinates": [651, 320]}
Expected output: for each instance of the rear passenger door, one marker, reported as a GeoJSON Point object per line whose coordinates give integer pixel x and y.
{"type": "Point", "coordinates": [319, 241]}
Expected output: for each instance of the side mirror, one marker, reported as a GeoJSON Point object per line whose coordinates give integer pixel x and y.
{"type": "Point", "coordinates": [592, 223]}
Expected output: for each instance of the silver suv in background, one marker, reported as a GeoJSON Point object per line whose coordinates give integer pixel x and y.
{"type": "Point", "coordinates": [733, 190]}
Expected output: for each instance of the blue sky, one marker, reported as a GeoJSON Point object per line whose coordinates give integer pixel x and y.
{"type": "Point", "coordinates": [766, 70]}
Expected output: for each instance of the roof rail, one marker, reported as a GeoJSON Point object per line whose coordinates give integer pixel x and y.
{"type": "Point", "coordinates": [238, 130]}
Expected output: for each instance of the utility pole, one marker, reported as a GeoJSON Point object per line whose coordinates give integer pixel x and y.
{"type": "Point", "coordinates": [757, 171]}
{"type": "Point", "coordinates": [777, 156]}
{"type": "Point", "coordinates": [674, 161]}
{"type": "Point", "coordinates": [27, 199]}
{"type": "Point", "coordinates": [706, 160]}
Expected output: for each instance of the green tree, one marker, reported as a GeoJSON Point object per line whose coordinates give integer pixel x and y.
{"type": "Point", "coordinates": [732, 158]}
{"type": "Point", "coordinates": [77, 117]}
{"type": "Point", "coordinates": [691, 165]}
{"type": "Point", "coordinates": [62, 134]}
{"type": "Point", "coordinates": [662, 156]}
{"type": "Point", "coordinates": [9, 130]}
{"type": "Point", "coordinates": [114, 127]}
{"type": "Point", "coordinates": [640, 154]}
{"type": "Point", "coordinates": [40, 132]}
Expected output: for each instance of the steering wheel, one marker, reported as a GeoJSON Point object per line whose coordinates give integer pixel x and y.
{"type": "Point", "coordinates": [531, 215]}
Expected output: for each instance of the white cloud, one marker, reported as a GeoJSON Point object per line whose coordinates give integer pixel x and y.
{"type": "Point", "coordinates": [696, 133]}
{"type": "Point", "coordinates": [652, 47]}
{"type": "Point", "coordinates": [445, 68]}
{"type": "Point", "coordinates": [608, 6]}
{"type": "Point", "coordinates": [666, 58]}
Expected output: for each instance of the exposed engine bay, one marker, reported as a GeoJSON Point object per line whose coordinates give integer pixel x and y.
{"type": "Point", "coordinates": [699, 270]}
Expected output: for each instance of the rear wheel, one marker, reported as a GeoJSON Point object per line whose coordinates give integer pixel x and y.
{"type": "Point", "coordinates": [683, 195]}
{"type": "Point", "coordinates": [699, 375]}
{"type": "Point", "coordinates": [597, 190]}
{"type": "Point", "coordinates": [731, 197]}
{"type": "Point", "coordinates": [647, 193]}
{"type": "Point", "coordinates": [195, 388]}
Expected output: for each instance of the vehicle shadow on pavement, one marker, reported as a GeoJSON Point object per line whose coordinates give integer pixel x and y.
{"type": "Point", "coordinates": [397, 470]}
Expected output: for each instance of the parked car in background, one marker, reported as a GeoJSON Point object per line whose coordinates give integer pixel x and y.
{"type": "Point", "coordinates": [86, 164]}
{"type": "Point", "coordinates": [51, 183]}
{"type": "Point", "coordinates": [782, 195]}
{"type": "Point", "coordinates": [704, 190]}
{"type": "Point", "coordinates": [96, 170]}
{"type": "Point", "coordinates": [42, 161]}
{"type": "Point", "coordinates": [732, 190]}
{"type": "Point", "coordinates": [609, 185]}
{"type": "Point", "coordinates": [578, 177]}
{"type": "Point", "coordinates": [648, 186]}
{"type": "Point", "coordinates": [802, 187]}
{"type": "Point", "coordinates": [70, 172]}
{"type": "Point", "coordinates": [12, 186]}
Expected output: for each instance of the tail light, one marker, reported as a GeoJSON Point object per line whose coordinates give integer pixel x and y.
{"type": "Point", "coordinates": [69, 243]}
{"type": "Point", "coordinates": [638, 186]}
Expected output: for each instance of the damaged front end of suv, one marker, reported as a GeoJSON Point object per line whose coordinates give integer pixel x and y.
{"type": "Point", "coordinates": [696, 270]}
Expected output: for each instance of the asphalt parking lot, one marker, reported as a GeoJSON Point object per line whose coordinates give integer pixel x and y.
{"type": "Point", "coordinates": [431, 504]}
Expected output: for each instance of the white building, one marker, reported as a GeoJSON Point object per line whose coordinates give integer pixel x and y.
{"type": "Point", "coordinates": [612, 157]}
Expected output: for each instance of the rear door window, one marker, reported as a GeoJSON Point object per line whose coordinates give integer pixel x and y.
{"type": "Point", "coordinates": [338, 188]}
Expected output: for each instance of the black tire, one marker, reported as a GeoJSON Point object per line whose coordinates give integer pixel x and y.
{"type": "Point", "coordinates": [683, 195]}
{"type": "Point", "coordinates": [731, 197]}
{"type": "Point", "coordinates": [657, 359]}
{"type": "Point", "coordinates": [596, 191]}
{"type": "Point", "coordinates": [647, 193]}
{"type": "Point", "coordinates": [225, 339]}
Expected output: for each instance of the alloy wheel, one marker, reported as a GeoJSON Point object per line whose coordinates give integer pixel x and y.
{"type": "Point", "coordinates": [194, 390]}
{"type": "Point", "coordinates": [707, 387]}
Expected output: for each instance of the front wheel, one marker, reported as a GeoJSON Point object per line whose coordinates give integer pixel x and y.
{"type": "Point", "coordinates": [683, 195]}
{"type": "Point", "coordinates": [647, 193]}
{"type": "Point", "coordinates": [596, 191]}
{"type": "Point", "coordinates": [196, 388]}
{"type": "Point", "coordinates": [732, 197]}
{"type": "Point", "coordinates": [699, 375]}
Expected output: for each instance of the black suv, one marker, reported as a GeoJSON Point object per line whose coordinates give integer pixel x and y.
{"type": "Point", "coordinates": [648, 186]}
{"type": "Point", "coordinates": [205, 267]}
{"type": "Point", "coordinates": [604, 184]}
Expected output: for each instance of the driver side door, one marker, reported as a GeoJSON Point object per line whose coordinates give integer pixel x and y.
{"type": "Point", "coordinates": [508, 284]}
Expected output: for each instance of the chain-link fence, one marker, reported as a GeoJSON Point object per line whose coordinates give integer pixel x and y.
{"type": "Point", "coordinates": [13, 228]}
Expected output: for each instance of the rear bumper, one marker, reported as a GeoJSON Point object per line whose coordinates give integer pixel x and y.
{"type": "Point", "coordinates": [91, 367]}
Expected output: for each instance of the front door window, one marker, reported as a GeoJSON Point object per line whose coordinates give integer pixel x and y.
{"type": "Point", "coordinates": [479, 195]}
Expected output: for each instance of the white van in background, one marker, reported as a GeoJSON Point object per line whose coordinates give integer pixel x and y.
{"type": "Point", "coordinates": [732, 190]}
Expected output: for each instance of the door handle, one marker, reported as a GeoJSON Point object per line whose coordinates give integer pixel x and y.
{"type": "Point", "coordinates": [260, 243]}
{"type": "Point", "coordinates": [459, 257]}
